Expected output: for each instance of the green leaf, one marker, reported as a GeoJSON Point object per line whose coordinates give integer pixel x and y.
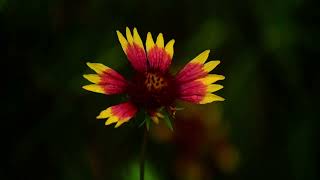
{"type": "Point", "coordinates": [142, 123]}
{"type": "Point", "coordinates": [141, 115]}
{"type": "Point", "coordinates": [167, 120]}
{"type": "Point", "coordinates": [179, 108]}
{"type": "Point", "coordinates": [148, 121]}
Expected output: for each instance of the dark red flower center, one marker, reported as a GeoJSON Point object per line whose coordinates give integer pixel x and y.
{"type": "Point", "coordinates": [152, 90]}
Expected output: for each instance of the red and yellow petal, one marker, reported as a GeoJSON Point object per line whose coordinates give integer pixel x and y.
{"type": "Point", "coordinates": [200, 91]}
{"type": "Point", "coordinates": [197, 68]}
{"type": "Point", "coordinates": [118, 114]}
{"type": "Point", "coordinates": [106, 81]}
{"type": "Point", "coordinates": [202, 99]}
{"type": "Point", "coordinates": [211, 78]}
{"type": "Point", "coordinates": [133, 47]}
{"type": "Point", "coordinates": [159, 56]}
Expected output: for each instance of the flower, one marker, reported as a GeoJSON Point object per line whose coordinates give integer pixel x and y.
{"type": "Point", "coordinates": [153, 88]}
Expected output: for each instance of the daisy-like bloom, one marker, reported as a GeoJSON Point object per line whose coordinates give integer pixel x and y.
{"type": "Point", "coordinates": [153, 88]}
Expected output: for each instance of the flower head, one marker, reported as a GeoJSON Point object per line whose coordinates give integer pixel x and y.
{"type": "Point", "coordinates": [153, 88]}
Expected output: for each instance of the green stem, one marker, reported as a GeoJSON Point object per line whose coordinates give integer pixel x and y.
{"type": "Point", "coordinates": [143, 152]}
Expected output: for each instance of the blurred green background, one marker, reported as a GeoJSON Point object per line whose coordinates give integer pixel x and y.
{"type": "Point", "coordinates": [266, 128]}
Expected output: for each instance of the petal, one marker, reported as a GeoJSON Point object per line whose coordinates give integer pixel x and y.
{"type": "Point", "coordinates": [129, 36]}
{"type": "Point", "coordinates": [155, 116]}
{"type": "Point", "coordinates": [169, 48]}
{"type": "Point", "coordinates": [123, 41]}
{"type": "Point", "coordinates": [192, 88]}
{"type": "Point", "coordinates": [193, 98]}
{"type": "Point", "coordinates": [94, 88]}
{"type": "Point", "coordinates": [209, 66]}
{"type": "Point", "coordinates": [159, 57]}
{"type": "Point", "coordinates": [199, 91]}
{"type": "Point", "coordinates": [133, 48]}
{"type": "Point", "coordinates": [112, 119]}
{"type": "Point", "coordinates": [149, 42]}
{"type": "Point", "coordinates": [136, 38]}
{"type": "Point", "coordinates": [119, 123]}
{"type": "Point", "coordinates": [191, 72]}
{"type": "Point", "coordinates": [97, 67]}
{"type": "Point", "coordinates": [210, 98]}
{"type": "Point", "coordinates": [107, 81]}
{"type": "Point", "coordinates": [213, 88]}
{"type": "Point", "coordinates": [196, 68]}
{"type": "Point", "coordinates": [94, 78]}
{"type": "Point", "coordinates": [202, 57]}
{"type": "Point", "coordinates": [160, 115]}
{"type": "Point", "coordinates": [211, 78]}
{"type": "Point", "coordinates": [118, 114]}
{"type": "Point", "coordinates": [104, 114]}
{"type": "Point", "coordinates": [160, 41]}
{"type": "Point", "coordinates": [155, 119]}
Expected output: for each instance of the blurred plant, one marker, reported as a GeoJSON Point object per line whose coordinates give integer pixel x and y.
{"type": "Point", "coordinates": [2, 4]}
{"type": "Point", "coordinates": [133, 174]}
{"type": "Point", "coordinates": [202, 145]}
{"type": "Point", "coordinates": [153, 89]}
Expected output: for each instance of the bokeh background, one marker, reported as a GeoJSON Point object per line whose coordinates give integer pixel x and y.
{"type": "Point", "coordinates": [266, 128]}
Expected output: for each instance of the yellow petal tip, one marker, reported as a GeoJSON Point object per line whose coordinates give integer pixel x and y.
{"type": "Point", "coordinates": [88, 64]}
{"type": "Point", "coordinates": [149, 42]}
{"type": "Point", "coordinates": [169, 47]}
{"type": "Point", "coordinates": [94, 78]}
{"type": "Point", "coordinates": [104, 114]}
{"type": "Point", "coordinates": [210, 98]}
{"type": "Point", "coordinates": [160, 40]}
{"type": "Point", "coordinates": [94, 88]}
{"type": "Point", "coordinates": [202, 57]}
{"type": "Point", "coordinates": [136, 38]}
{"type": "Point", "coordinates": [209, 66]}
{"type": "Point", "coordinates": [213, 88]}
{"type": "Point", "coordinates": [99, 117]}
{"type": "Point", "coordinates": [97, 67]}
{"type": "Point", "coordinates": [119, 124]}
{"type": "Point", "coordinates": [129, 36]}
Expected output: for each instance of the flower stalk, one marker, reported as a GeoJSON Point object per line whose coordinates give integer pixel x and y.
{"type": "Point", "coordinates": [143, 153]}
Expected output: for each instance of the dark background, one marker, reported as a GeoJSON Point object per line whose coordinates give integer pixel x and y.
{"type": "Point", "coordinates": [268, 49]}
